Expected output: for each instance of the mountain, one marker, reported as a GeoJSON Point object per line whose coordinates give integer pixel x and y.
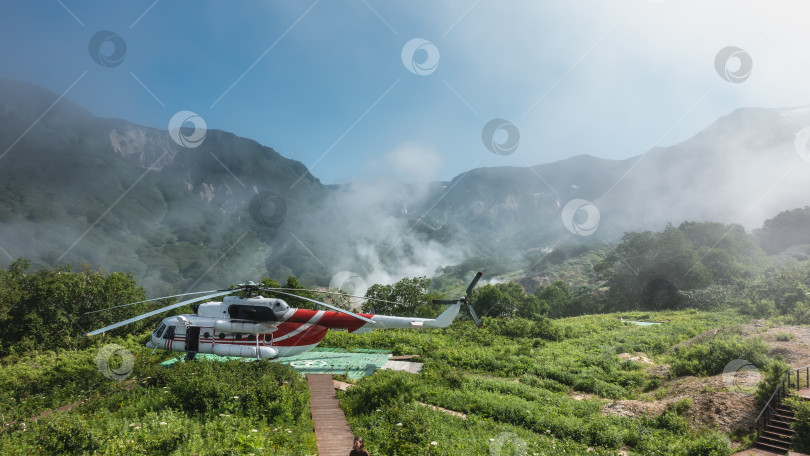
{"type": "Point", "coordinates": [78, 189]}
{"type": "Point", "coordinates": [744, 168]}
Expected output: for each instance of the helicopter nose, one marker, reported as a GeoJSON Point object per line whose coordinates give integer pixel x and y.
{"type": "Point", "coordinates": [150, 345]}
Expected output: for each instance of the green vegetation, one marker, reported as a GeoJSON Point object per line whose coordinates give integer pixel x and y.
{"type": "Point", "coordinates": [711, 356]}
{"type": "Point", "coordinates": [646, 270]}
{"type": "Point", "coordinates": [801, 410]}
{"type": "Point", "coordinates": [536, 376]}
{"type": "Point", "coordinates": [507, 379]}
{"type": "Point", "coordinates": [507, 300]}
{"type": "Point", "coordinates": [193, 408]}
{"type": "Point", "coordinates": [785, 337]}
{"type": "Point", "coordinates": [409, 297]}
{"type": "Point", "coordinates": [48, 309]}
{"type": "Point", "coordinates": [787, 229]}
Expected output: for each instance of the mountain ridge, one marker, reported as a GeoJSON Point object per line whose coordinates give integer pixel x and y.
{"type": "Point", "coordinates": [77, 188]}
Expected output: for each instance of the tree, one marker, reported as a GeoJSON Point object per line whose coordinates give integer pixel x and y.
{"type": "Point", "coordinates": [649, 269]}
{"type": "Point", "coordinates": [408, 297]}
{"type": "Point", "coordinates": [49, 308]}
{"type": "Point", "coordinates": [294, 286]}
{"type": "Point", "coordinates": [787, 229]}
{"type": "Point", "coordinates": [558, 297]}
{"type": "Point", "coordinates": [507, 300]}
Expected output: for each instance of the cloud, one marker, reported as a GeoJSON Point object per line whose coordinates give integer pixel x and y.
{"type": "Point", "coordinates": [414, 162]}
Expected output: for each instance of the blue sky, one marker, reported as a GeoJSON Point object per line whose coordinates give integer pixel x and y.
{"type": "Point", "coordinates": [325, 83]}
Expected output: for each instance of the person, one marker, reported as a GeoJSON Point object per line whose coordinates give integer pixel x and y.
{"type": "Point", "coordinates": [359, 448]}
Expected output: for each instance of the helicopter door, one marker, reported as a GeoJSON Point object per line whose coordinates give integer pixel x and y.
{"type": "Point", "coordinates": [193, 339]}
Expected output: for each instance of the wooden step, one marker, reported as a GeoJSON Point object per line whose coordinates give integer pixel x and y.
{"type": "Point", "coordinates": [773, 443]}
{"type": "Point", "coordinates": [780, 428]}
{"type": "Point", "coordinates": [334, 436]}
{"type": "Point", "coordinates": [771, 448]}
{"type": "Point", "coordinates": [777, 436]}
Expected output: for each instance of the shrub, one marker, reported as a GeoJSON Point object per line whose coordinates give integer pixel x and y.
{"type": "Point", "coordinates": [785, 337]}
{"type": "Point", "coordinates": [277, 393]}
{"type": "Point", "coordinates": [712, 356]}
{"type": "Point", "coordinates": [671, 421]}
{"type": "Point", "coordinates": [801, 411]}
{"type": "Point", "coordinates": [712, 444]}
{"type": "Point", "coordinates": [774, 373]}
{"type": "Point", "coordinates": [383, 389]}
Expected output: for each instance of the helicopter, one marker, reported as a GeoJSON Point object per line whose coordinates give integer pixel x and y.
{"type": "Point", "coordinates": [252, 326]}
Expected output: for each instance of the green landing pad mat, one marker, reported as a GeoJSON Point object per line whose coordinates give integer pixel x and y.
{"type": "Point", "coordinates": [354, 364]}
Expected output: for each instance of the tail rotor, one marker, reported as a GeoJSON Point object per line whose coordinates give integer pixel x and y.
{"type": "Point", "coordinates": [465, 299]}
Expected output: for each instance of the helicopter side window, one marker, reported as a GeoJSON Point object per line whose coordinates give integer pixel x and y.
{"type": "Point", "coordinates": [255, 313]}
{"type": "Point", "coordinates": [169, 333]}
{"type": "Point", "coordinates": [159, 330]}
{"type": "Point", "coordinates": [222, 336]}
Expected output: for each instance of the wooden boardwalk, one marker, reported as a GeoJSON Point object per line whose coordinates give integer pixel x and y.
{"type": "Point", "coordinates": [334, 435]}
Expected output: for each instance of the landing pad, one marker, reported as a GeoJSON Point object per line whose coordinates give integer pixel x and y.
{"type": "Point", "coordinates": [354, 364]}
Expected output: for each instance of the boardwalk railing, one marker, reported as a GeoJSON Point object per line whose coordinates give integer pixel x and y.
{"type": "Point", "coordinates": [794, 379]}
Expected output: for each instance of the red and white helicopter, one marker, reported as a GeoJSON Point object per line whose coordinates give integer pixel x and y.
{"type": "Point", "coordinates": [253, 326]}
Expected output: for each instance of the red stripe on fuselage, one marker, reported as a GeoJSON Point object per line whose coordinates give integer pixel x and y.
{"type": "Point", "coordinates": [311, 335]}
{"type": "Point", "coordinates": [330, 319]}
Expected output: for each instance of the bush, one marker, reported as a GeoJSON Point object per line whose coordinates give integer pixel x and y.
{"type": "Point", "coordinates": [785, 337]}
{"type": "Point", "coordinates": [712, 356]}
{"type": "Point", "coordinates": [384, 388]}
{"type": "Point", "coordinates": [522, 328]}
{"type": "Point", "coordinates": [712, 444]}
{"type": "Point", "coordinates": [775, 371]}
{"type": "Point", "coordinates": [277, 393]}
{"type": "Point", "coordinates": [801, 411]}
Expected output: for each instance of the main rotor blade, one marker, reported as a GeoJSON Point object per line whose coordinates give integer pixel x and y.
{"type": "Point", "coordinates": [365, 298]}
{"type": "Point", "coordinates": [161, 310]}
{"type": "Point", "coordinates": [445, 301]}
{"type": "Point", "coordinates": [474, 283]}
{"type": "Point", "coordinates": [150, 300]}
{"type": "Point", "coordinates": [337, 309]}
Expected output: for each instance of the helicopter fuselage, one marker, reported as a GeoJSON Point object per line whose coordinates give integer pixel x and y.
{"type": "Point", "coordinates": [267, 328]}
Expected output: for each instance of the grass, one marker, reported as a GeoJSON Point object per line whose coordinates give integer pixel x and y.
{"type": "Point", "coordinates": [516, 389]}
{"type": "Point", "coordinates": [785, 336]}
{"type": "Point", "coordinates": [524, 386]}
{"type": "Point", "coordinates": [192, 408]}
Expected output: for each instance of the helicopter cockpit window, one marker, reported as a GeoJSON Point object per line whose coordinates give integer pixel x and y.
{"type": "Point", "coordinates": [169, 333]}
{"type": "Point", "coordinates": [159, 330]}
